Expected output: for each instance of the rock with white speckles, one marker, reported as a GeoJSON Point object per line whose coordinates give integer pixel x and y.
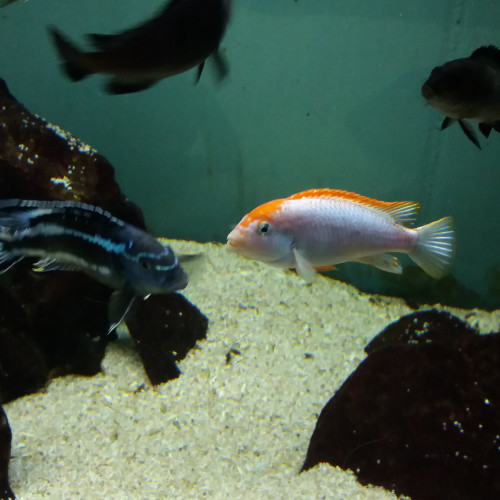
{"type": "Point", "coordinates": [420, 415]}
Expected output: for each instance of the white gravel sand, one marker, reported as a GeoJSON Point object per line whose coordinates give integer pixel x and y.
{"type": "Point", "coordinates": [222, 430]}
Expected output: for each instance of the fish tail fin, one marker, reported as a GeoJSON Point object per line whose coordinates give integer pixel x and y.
{"type": "Point", "coordinates": [73, 60]}
{"type": "Point", "coordinates": [435, 248]}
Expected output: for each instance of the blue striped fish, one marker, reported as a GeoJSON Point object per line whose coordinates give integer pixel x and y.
{"type": "Point", "coordinates": [74, 236]}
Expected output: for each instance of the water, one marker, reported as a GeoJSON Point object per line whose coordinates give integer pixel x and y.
{"type": "Point", "coordinates": [320, 94]}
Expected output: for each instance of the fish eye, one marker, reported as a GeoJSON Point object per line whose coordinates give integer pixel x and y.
{"type": "Point", "coordinates": [264, 228]}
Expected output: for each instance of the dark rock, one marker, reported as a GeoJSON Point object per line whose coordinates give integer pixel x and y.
{"type": "Point", "coordinates": [165, 328]}
{"type": "Point", "coordinates": [421, 415]}
{"type": "Point", "coordinates": [425, 327]}
{"type": "Point", "coordinates": [5, 444]}
{"type": "Point", "coordinates": [23, 367]}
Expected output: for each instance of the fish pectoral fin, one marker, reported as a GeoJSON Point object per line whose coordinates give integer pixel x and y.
{"type": "Point", "coordinates": [382, 261]}
{"type": "Point", "coordinates": [469, 132]}
{"type": "Point", "coordinates": [120, 86]}
{"type": "Point", "coordinates": [485, 129]}
{"type": "Point", "coordinates": [48, 264]}
{"type": "Point", "coordinates": [118, 307]}
{"type": "Point", "coordinates": [447, 122]}
{"type": "Point", "coordinates": [303, 267]}
{"type": "Point", "coordinates": [221, 65]}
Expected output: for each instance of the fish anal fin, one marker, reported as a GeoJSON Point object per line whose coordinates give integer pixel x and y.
{"type": "Point", "coordinates": [403, 212]}
{"type": "Point", "coordinates": [383, 261]}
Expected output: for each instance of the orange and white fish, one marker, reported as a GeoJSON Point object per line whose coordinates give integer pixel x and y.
{"type": "Point", "coordinates": [317, 229]}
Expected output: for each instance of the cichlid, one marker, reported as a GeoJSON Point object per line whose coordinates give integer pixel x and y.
{"type": "Point", "coordinates": [320, 228]}
{"type": "Point", "coordinates": [75, 236]}
{"type": "Point", "coordinates": [468, 88]}
{"type": "Point", "coordinates": [180, 37]}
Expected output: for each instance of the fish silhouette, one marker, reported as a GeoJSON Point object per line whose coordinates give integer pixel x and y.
{"type": "Point", "coordinates": [180, 37]}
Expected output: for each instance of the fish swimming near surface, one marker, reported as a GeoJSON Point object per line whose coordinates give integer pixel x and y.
{"type": "Point", "coordinates": [181, 37]}
{"type": "Point", "coordinates": [73, 236]}
{"type": "Point", "coordinates": [468, 88]}
{"type": "Point", "coordinates": [320, 228]}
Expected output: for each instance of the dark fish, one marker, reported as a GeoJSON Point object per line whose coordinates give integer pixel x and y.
{"type": "Point", "coordinates": [74, 236]}
{"type": "Point", "coordinates": [468, 88]}
{"type": "Point", "coordinates": [180, 37]}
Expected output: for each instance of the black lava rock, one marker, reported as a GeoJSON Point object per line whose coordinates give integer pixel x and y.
{"type": "Point", "coordinates": [164, 332]}
{"type": "Point", "coordinates": [5, 445]}
{"type": "Point", "coordinates": [420, 415]}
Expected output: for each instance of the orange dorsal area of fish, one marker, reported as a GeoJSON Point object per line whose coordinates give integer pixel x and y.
{"type": "Point", "coordinates": [262, 212]}
{"type": "Point", "coordinates": [403, 212]}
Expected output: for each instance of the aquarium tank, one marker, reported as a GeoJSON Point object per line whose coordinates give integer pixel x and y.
{"type": "Point", "coordinates": [137, 140]}
{"type": "Point", "coordinates": [318, 94]}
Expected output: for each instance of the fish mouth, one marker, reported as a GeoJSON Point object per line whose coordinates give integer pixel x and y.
{"type": "Point", "coordinates": [235, 241]}
{"type": "Point", "coordinates": [427, 91]}
{"type": "Point", "coordinates": [179, 280]}
{"type": "Point", "coordinates": [232, 243]}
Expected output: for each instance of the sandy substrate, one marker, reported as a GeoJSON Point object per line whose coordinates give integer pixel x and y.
{"type": "Point", "coordinates": [223, 430]}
